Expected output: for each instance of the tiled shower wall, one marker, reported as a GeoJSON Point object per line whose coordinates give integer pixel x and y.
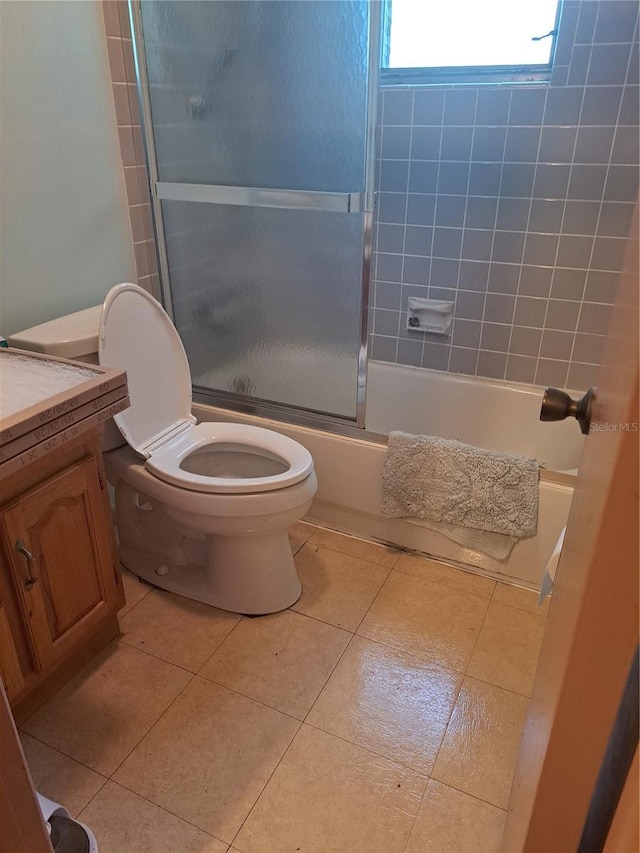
{"type": "Point", "coordinates": [513, 202]}
{"type": "Point", "coordinates": [123, 76]}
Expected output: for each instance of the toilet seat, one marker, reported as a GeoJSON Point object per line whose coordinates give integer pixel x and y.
{"type": "Point", "coordinates": [137, 335]}
{"type": "Point", "coordinates": [295, 460]}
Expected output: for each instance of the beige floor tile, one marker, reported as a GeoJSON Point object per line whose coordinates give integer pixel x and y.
{"type": "Point", "coordinates": [452, 822]}
{"type": "Point", "coordinates": [523, 599]}
{"type": "Point", "coordinates": [389, 702]}
{"type": "Point", "coordinates": [134, 591]}
{"type": "Point", "coordinates": [381, 555]}
{"type": "Point", "coordinates": [430, 570]}
{"type": "Point", "coordinates": [101, 714]}
{"type": "Point", "coordinates": [479, 751]}
{"type": "Point", "coordinates": [209, 757]}
{"type": "Point", "coordinates": [125, 823]}
{"type": "Point", "coordinates": [428, 619]}
{"type": "Point", "coordinates": [328, 795]}
{"type": "Point", "coordinates": [282, 660]}
{"type": "Point", "coordinates": [299, 534]}
{"type": "Point", "coordinates": [59, 777]}
{"type": "Point", "coordinates": [336, 588]}
{"type": "Point", "coordinates": [176, 629]}
{"type": "Point", "coordinates": [508, 648]}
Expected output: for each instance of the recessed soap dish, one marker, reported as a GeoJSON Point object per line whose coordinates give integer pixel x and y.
{"type": "Point", "coordinates": [429, 315]}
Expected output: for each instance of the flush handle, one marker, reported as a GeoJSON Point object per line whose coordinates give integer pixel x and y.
{"type": "Point", "coordinates": [558, 405]}
{"type": "Point", "coordinates": [22, 549]}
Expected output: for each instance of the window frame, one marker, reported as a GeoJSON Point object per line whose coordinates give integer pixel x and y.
{"type": "Point", "coordinates": [467, 74]}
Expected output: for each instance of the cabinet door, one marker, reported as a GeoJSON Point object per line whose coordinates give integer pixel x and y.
{"type": "Point", "coordinates": [59, 540]}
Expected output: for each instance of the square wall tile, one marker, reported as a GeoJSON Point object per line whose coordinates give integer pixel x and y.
{"type": "Point", "coordinates": [435, 356]}
{"type": "Point", "coordinates": [429, 106]}
{"type": "Point", "coordinates": [556, 144]}
{"type": "Point", "coordinates": [562, 315]}
{"type": "Point", "coordinates": [397, 106]}
{"type": "Point", "coordinates": [550, 372]}
{"type": "Point", "coordinates": [463, 360]}
{"type": "Point", "coordinates": [474, 275]}
{"type": "Point", "coordinates": [495, 337]}
{"type": "Point", "coordinates": [556, 344]}
{"type": "Point", "coordinates": [616, 21]}
{"type": "Point", "coordinates": [535, 281]}
{"type": "Point", "coordinates": [525, 341]}
{"type": "Point", "coordinates": [568, 283]}
{"type": "Point", "coordinates": [601, 105]}
{"type": "Point", "coordinates": [546, 215]}
{"type": "Point", "coordinates": [493, 106]}
{"type": "Point", "coordinates": [527, 105]}
{"type": "Point", "coordinates": [423, 176]}
{"type": "Point", "coordinates": [499, 308]}
{"type": "Point", "coordinates": [418, 240]}
{"type": "Point", "coordinates": [466, 333]}
{"type": "Point", "coordinates": [522, 144]}
{"type": "Point", "coordinates": [450, 210]}
{"type": "Point", "coordinates": [508, 246]}
{"type": "Point", "coordinates": [425, 143]}
{"type": "Point", "coordinates": [469, 306]}
{"type": "Point", "coordinates": [503, 278]}
{"type": "Point", "coordinates": [530, 312]}
{"type": "Point", "coordinates": [459, 106]}
{"type": "Point", "coordinates": [520, 369]}
{"type": "Point", "coordinates": [396, 142]}
{"type": "Point", "coordinates": [419, 209]}
{"type": "Point", "coordinates": [456, 143]}
{"type": "Point", "coordinates": [594, 318]}
{"type": "Point", "coordinates": [492, 364]}
{"type": "Point", "coordinates": [410, 352]}
{"type": "Point", "coordinates": [488, 144]}
{"type": "Point", "coordinates": [513, 214]}
{"type": "Point", "coordinates": [540, 249]}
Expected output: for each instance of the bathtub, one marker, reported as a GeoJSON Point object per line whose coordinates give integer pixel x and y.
{"type": "Point", "coordinates": [486, 413]}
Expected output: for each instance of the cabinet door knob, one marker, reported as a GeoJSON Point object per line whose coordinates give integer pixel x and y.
{"type": "Point", "coordinates": [22, 549]}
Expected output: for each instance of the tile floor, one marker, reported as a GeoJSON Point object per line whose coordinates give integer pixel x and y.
{"type": "Point", "coordinates": [381, 713]}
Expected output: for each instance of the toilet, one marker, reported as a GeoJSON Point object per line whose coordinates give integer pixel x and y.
{"type": "Point", "coordinates": [202, 509]}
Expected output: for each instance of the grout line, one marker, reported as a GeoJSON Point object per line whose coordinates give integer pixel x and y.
{"type": "Point", "coordinates": [162, 808]}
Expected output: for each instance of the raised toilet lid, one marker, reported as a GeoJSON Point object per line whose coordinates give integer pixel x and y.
{"type": "Point", "coordinates": [137, 335]}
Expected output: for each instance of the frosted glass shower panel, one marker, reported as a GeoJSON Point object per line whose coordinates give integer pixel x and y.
{"type": "Point", "coordinates": [259, 94]}
{"type": "Point", "coordinates": [267, 301]}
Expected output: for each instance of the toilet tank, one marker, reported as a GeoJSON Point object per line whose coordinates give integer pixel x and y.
{"type": "Point", "coordinates": [72, 336]}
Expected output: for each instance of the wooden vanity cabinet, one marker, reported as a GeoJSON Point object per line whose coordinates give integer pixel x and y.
{"type": "Point", "coordinates": [60, 588]}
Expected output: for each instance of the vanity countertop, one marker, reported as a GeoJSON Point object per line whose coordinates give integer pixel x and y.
{"type": "Point", "coordinates": [46, 401]}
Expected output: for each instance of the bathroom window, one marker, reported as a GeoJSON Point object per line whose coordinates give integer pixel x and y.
{"type": "Point", "coordinates": [468, 40]}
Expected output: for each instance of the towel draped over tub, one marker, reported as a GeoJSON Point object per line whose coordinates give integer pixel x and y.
{"type": "Point", "coordinates": [484, 497]}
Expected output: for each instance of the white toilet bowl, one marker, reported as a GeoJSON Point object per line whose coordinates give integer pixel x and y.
{"type": "Point", "coordinates": [202, 509]}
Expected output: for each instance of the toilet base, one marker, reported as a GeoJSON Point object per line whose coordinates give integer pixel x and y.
{"type": "Point", "coordinates": [252, 575]}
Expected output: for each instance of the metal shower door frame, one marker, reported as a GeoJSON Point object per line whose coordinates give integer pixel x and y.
{"type": "Point", "coordinates": [256, 196]}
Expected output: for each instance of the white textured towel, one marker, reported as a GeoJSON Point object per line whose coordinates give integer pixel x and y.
{"type": "Point", "coordinates": [431, 478]}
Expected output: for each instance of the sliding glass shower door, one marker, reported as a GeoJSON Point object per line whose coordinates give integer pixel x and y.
{"type": "Point", "coordinates": [258, 122]}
